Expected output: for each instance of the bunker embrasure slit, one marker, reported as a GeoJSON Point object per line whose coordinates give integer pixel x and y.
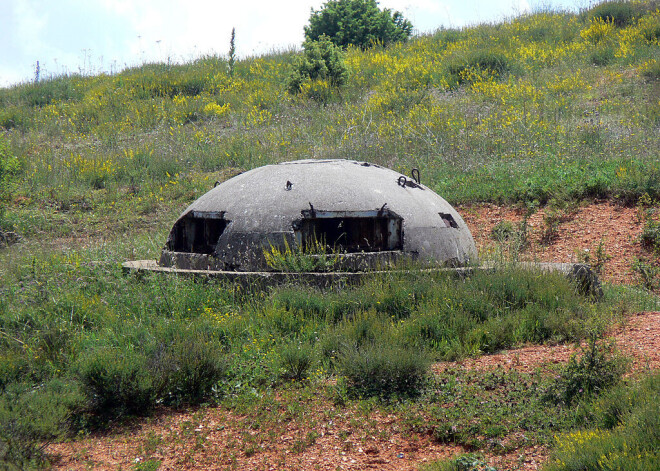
{"type": "Point", "coordinates": [350, 231]}
{"type": "Point", "coordinates": [449, 220]}
{"type": "Point", "coordinates": [197, 232]}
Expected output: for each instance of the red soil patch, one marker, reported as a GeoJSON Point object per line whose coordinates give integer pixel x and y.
{"type": "Point", "coordinates": [326, 437]}
{"type": "Point", "coordinates": [638, 338]}
{"type": "Point", "coordinates": [619, 228]}
{"type": "Point", "coordinates": [217, 438]}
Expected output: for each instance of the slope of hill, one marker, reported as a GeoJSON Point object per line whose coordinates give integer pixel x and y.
{"type": "Point", "coordinates": [549, 105]}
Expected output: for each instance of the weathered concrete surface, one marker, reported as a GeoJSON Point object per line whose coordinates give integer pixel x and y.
{"type": "Point", "coordinates": [267, 206]}
{"type": "Point", "coordinates": [584, 278]}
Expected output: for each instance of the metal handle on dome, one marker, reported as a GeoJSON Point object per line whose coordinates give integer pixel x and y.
{"type": "Point", "coordinates": [417, 178]}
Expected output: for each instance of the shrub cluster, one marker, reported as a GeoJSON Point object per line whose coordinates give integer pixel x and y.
{"type": "Point", "coordinates": [596, 369]}
{"type": "Point", "coordinates": [320, 67]}
{"type": "Point", "coordinates": [619, 13]}
{"type": "Point", "coordinates": [33, 415]}
{"type": "Point", "coordinates": [120, 382]}
{"type": "Point", "coordinates": [384, 370]}
{"type": "Point", "coordinates": [477, 65]}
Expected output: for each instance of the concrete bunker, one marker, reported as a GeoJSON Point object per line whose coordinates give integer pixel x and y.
{"type": "Point", "coordinates": [366, 214]}
{"type": "Point", "coordinates": [370, 217]}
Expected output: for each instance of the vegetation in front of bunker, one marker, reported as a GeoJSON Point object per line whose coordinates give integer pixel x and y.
{"type": "Point", "coordinates": [596, 368]}
{"type": "Point", "coordinates": [124, 346]}
{"type": "Point", "coordinates": [502, 410]}
{"type": "Point", "coordinates": [616, 430]}
{"type": "Point", "coordinates": [463, 462]}
{"type": "Point", "coordinates": [314, 257]}
{"type": "Point", "coordinates": [383, 369]}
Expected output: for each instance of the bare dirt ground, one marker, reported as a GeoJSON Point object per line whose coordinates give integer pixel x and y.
{"type": "Point", "coordinates": [325, 437]}
{"type": "Point", "coordinates": [617, 227]}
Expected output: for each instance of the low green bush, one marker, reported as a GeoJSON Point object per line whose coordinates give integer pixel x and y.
{"type": "Point", "coordinates": [621, 13]}
{"type": "Point", "coordinates": [652, 70]}
{"type": "Point", "coordinates": [189, 370]}
{"type": "Point", "coordinates": [597, 368]}
{"type": "Point", "coordinates": [503, 231]}
{"type": "Point", "coordinates": [650, 237]}
{"type": "Point", "coordinates": [33, 415]}
{"type": "Point", "coordinates": [464, 462]}
{"type": "Point", "coordinates": [295, 361]}
{"type": "Point", "coordinates": [384, 370]}
{"type": "Point", "coordinates": [116, 382]}
{"type": "Point", "coordinates": [602, 55]}
{"type": "Point", "coordinates": [488, 62]}
{"type": "Point", "coordinates": [321, 60]}
{"type": "Point", "coordinates": [647, 272]}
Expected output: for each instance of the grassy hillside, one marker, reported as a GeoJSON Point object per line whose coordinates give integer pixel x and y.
{"type": "Point", "coordinates": [93, 169]}
{"type": "Point", "coordinates": [541, 106]}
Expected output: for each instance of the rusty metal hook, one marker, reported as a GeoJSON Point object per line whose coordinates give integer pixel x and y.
{"type": "Point", "coordinates": [417, 178]}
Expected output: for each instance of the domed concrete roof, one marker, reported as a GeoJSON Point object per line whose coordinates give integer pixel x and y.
{"type": "Point", "coordinates": [352, 207]}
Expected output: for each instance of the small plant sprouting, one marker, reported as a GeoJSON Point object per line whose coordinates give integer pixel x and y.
{"type": "Point", "coordinates": [514, 238]}
{"type": "Point", "coordinates": [555, 213]}
{"type": "Point", "coordinates": [232, 52]}
{"type": "Point", "coordinates": [296, 361]}
{"type": "Point", "coordinates": [503, 231]}
{"type": "Point", "coordinates": [597, 368]}
{"type": "Point", "coordinates": [314, 257]}
{"type": "Point", "coordinates": [647, 273]}
{"type": "Point", "coordinates": [596, 258]}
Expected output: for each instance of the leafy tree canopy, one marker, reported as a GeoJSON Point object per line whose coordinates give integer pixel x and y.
{"type": "Point", "coordinates": [357, 22]}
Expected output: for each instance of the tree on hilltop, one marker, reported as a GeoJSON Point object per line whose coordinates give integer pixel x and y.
{"type": "Point", "coordinates": [359, 23]}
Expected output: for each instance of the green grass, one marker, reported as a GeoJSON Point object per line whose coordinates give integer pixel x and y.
{"type": "Point", "coordinates": [624, 432]}
{"type": "Point", "coordinates": [122, 344]}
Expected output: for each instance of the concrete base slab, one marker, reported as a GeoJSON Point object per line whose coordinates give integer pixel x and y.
{"type": "Point", "coordinates": [582, 275]}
